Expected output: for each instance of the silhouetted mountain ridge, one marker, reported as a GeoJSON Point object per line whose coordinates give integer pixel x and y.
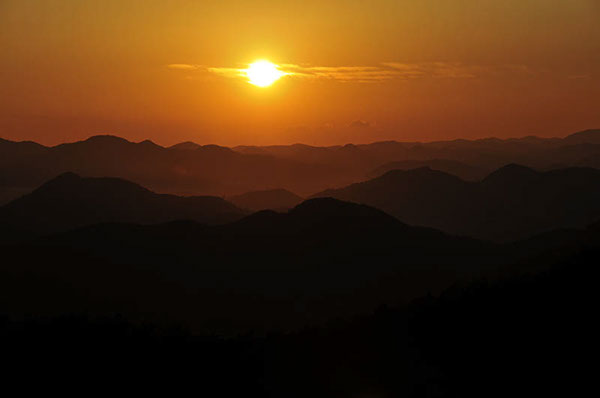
{"type": "Point", "coordinates": [511, 174]}
{"type": "Point", "coordinates": [209, 169]}
{"type": "Point", "coordinates": [512, 203]}
{"type": "Point", "coordinates": [591, 136]}
{"type": "Point", "coordinates": [275, 199]}
{"type": "Point", "coordinates": [323, 258]}
{"type": "Point", "coordinates": [453, 167]}
{"type": "Point", "coordinates": [69, 201]}
{"type": "Point", "coordinates": [304, 169]}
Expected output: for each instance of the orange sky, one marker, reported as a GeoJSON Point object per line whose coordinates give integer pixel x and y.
{"type": "Point", "coordinates": [370, 70]}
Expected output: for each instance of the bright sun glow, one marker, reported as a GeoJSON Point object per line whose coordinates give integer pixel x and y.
{"type": "Point", "coordinates": [263, 73]}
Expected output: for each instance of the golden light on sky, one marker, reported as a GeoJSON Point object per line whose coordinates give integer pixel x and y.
{"type": "Point", "coordinates": [263, 73]}
{"type": "Point", "coordinates": [340, 71]}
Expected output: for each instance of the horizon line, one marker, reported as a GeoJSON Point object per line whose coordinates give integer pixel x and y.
{"type": "Point", "coordinates": [304, 144]}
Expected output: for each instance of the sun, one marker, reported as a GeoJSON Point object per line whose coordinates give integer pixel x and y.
{"type": "Point", "coordinates": [263, 73]}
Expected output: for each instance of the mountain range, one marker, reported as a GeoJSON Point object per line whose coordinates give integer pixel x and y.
{"type": "Point", "coordinates": [322, 259]}
{"type": "Point", "coordinates": [512, 203]}
{"type": "Point", "coordinates": [95, 242]}
{"type": "Point", "coordinates": [70, 201]}
{"type": "Point", "coordinates": [192, 169]}
{"type": "Point", "coordinates": [456, 168]}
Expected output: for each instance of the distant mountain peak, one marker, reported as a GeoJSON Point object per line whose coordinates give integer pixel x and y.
{"type": "Point", "coordinates": [319, 213]}
{"type": "Point", "coordinates": [452, 167]}
{"type": "Point", "coordinates": [187, 145]}
{"type": "Point", "coordinates": [514, 167]}
{"type": "Point", "coordinates": [590, 136]}
{"type": "Point", "coordinates": [349, 147]}
{"type": "Point", "coordinates": [73, 182]}
{"type": "Point", "coordinates": [4, 141]}
{"type": "Point", "coordinates": [106, 138]}
{"type": "Point", "coordinates": [327, 207]}
{"type": "Point", "coordinates": [586, 132]}
{"type": "Point", "coordinates": [149, 143]}
{"type": "Point", "coordinates": [342, 217]}
{"type": "Point", "coordinates": [66, 176]}
{"type": "Point", "coordinates": [70, 201]}
{"type": "Point", "coordinates": [512, 173]}
{"type": "Point", "coordinates": [67, 179]}
{"type": "Point", "coordinates": [215, 148]}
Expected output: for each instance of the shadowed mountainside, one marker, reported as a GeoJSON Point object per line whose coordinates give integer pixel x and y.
{"type": "Point", "coordinates": [591, 136]}
{"type": "Point", "coordinates": [69, 201]}
{"type": "Point", "coordinates": [325, 264]}
{"type": "Point", "coordinates": [323, 259]}
{"type": "Point", "coordinates": [512, 203]}
{"type": "Point", "coordinates": [530, 333]}
{"type": "Point", "coordinates": [453, 167]}
{"type": "Point", "coordinates": [274, 199]}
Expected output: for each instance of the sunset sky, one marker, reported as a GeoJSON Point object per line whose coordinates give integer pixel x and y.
{"type": "Point", "coordinates": [357, 71]}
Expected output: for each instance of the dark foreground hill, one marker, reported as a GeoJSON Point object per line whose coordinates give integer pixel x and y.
{"type": "Point", "coordinates": [143, 307]}
{"type": "Point", "coordinates": [531, 333]}
{"type": "Point", "coordinates": [273, 199]}
{"type": "Point", "coordinates": [323, 259]}
{"type": "Point", "coordinates": [512, 203]}
{"type": "Point", "coordinates": [69, 201]}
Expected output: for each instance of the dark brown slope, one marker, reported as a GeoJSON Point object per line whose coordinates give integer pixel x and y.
{"type": "Point", "coordinates": [323, 259]}
{"type": "Point", "coordinates": [591, 136]}
{"type": "Point", "coordinates": [273, 199]}
{"type": "Point", "coordinates": [418, 197]}
{"type": "Point", "coordinates": [459, 169]}
{"type": "Point", "coordinates": [69, 201]}
{"type": "Point", "coordinates": [13, 181]}
{"type": "Point", "coordinates": [512, 203]}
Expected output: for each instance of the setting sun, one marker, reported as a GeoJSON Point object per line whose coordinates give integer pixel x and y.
{"type": "Point", "coordinates": [263, 73]}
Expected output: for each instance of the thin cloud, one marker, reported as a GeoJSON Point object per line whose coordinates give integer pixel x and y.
{"type": "Point", "coordinates": [373, 74]}
{"type": "Point", "coordinates": [364, 74]}
{"type": "Point", "coordinates": [227, 72]}
{"type": "Point", "coordinates": [434, 69]}
{"type": "Point", "coordinates": [360, 124]}
{"type": "Point", "coordinates": [182, 66]}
